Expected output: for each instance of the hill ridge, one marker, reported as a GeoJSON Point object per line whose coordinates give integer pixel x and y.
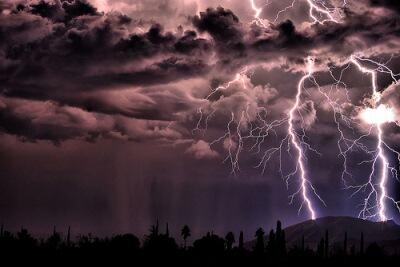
{"type": "Point", "coordinates": [314, 230]}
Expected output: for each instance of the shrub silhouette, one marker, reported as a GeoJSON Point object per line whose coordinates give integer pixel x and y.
{"type": "Point", "coordinates": [211, 249]}
{"type": "Point", "coordinates": [229, 239]}
{"type": "Point", "coordinates": [210, 244]}
{"type": "Point", "coordinates": [185, 233]}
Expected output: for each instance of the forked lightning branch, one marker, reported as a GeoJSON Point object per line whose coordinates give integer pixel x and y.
{"type": "Point", "coordinates": [240, 127]}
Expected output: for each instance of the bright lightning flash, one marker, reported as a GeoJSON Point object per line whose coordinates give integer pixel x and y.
{"type": "Point", "coordinates": [258, 129]}
{"type": "Point", "coordinates": [377, 116]}
{"type": "Point", "coordinates": [294, 140]}
{"type": "Point", "coordinates": [319, 11]}
{"type": "Point", "coordinates": [381, 114]}
{"type": "Point", "coordinates": [241, 127]}
{"type": "Point", "coordinates": [318, 8]}
{"type": "Point", "coordinates": [257, 13]}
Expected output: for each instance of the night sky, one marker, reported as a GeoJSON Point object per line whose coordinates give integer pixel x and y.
{"type": "Point", "coordinates": [116, 113]}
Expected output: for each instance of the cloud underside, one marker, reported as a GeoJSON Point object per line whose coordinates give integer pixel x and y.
{"type": "Point", "coordinates": [69, 71]}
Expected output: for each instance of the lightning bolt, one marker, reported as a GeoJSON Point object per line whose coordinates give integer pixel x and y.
{"type": "Point", "coordinates": [318, 10]}
{"type": "Point", "coordinates": [377, 190]}
{"type": "Point", "coordinates": [295, 142]}
{"type": "Point", "coordinates": [257, 13]}
{"type": "Point", "coordinates": [284, 10]}
{"type": "Point", "coordinates": [374, 206]}
{"type": "Point", "coordinates": [320, 7]}
{"type": "Point", "coordinates": [241, 127]}
{"type": "Point", "coordinates": [321, 12]}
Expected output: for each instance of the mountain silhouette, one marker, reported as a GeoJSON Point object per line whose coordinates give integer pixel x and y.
{"type": "Point", "coordinates": [386, 234]}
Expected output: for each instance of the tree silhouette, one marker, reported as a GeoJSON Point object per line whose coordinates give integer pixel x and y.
{"type": "Point", "coordinates": [230, 239]}
{"type": "Point", "coordinates": [282, 247]}
{"type": "Point", "coordinates": [85, 241]}
{"type": "Point", "coordinates": [259, 247]}
{"type": "Point", "coordinates": [7, 241]}
{"type": "Point", "coordinates": [25, 240]}
{"type": "Point", "coordinates": [362, 243]}
{"type": "Point", "coordinates": [159, 243]}
{"type": "Point", "coordinates": [54, 241]}
{"type": "Point", "coordinates": [69, 237]}
{"type": "Point", "coordinates": [326, 246]}
{"type": "Point", "coordinates": [126, 243]}
{"type": "Point", "coordinates": [185, 233]}
{"type": "Point", "coordinates": [210, 244]}
{"type": "Point", "coordinates": [241, 242]}
{"type": "Point", "coordinates": [353, 250]}
{"type": "Point", "coordinates": [278, 229]}
{"type": "Point", "coordinates": [209, 250]}
{"type": "Point", "coordinates": [280, 240]}
{"type": "Point", "coordinates": [321, 248]}
{"type": "Point", "coordinates": [374, 251]}
{"type": "Point", "coordinates": [271, 246]}
{"type": "Point", "coordinates": [167, 230]}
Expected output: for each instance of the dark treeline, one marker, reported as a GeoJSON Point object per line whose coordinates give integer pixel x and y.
{"type": "Point", "coordinates": [158, 247]}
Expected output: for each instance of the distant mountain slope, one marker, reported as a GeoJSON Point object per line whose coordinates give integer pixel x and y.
{"type": "Point", "coordinates": [384, 233]}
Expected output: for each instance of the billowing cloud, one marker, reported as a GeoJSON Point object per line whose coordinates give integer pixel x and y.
{"type": "Point", "coordinates": [391, 98]}
{"type": "Point", "coordinates": [37, 120]}
{"type": "Point", "coordinates": [105, 59]}
{"type": "Point", "coordinates": [202, 150]}
{"type": "Point", "coordinates": [145, 99]}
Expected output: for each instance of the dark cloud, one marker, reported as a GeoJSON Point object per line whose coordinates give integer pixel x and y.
{"type": "Point", "coordinates": [391, 4]}
{"type": "Point", "coordinates": [59, 10]}
{"type": "Point", "coordinates": [52, 11]}
{"type": "Point", "coordinates": [286, 38]}
{"type": "Point", "coordinates": [91, 77]}
{"type": "Point", "coordinates": [190, 44]}
{"type": "Point", "coordinates": [68, 52]}
{"type": "Point", "coordinates": [59, 61]}
{"type": "Point", "coordinates": [37, 120]}
{"type": "Point", "coordinates": [221, 24]}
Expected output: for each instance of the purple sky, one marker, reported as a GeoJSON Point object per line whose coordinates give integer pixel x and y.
{"type": "Point", "coordinates": [107, 123]}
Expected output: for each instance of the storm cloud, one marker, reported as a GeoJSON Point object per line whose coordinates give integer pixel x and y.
{"type": "Point", "coordinates": [71, 53]}
{"type": "Point", "coordinates": [154, 74]}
